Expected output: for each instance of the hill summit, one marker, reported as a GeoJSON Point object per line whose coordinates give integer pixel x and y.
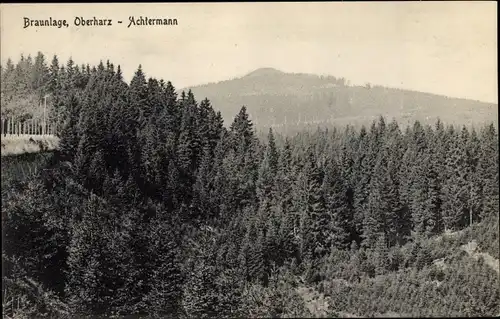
{"type": "Point", "coordinates": [264, 72]}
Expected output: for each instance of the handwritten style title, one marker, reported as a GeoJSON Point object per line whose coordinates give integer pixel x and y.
{"type": "Point", "coordinates": [98, 22]}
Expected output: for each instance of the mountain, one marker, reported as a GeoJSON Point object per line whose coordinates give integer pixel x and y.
{"type": "Point", "coordinates": [288, 101]}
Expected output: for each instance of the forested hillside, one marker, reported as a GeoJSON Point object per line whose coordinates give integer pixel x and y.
{"type": "Point", "coordinates": [291, 102]}
{"type": "Point", "coordinates": [152, 206]}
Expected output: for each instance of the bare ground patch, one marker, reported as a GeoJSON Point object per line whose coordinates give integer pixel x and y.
{"type": "Point", "coordinates": [472, 249]}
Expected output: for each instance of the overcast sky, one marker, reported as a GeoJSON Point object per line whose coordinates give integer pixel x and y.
{"type": "Point", "coordinates": [447, 48]}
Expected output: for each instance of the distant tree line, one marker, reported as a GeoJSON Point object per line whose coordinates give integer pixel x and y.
{"type": "Point", "coordinates": [153, 206]}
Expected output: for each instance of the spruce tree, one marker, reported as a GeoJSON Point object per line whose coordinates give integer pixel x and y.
{"type": "Point", "coordinates": [88, 288]}
{"type": "Point", "coordinates": [188, 149]}
{"type": "Point", "coordinates": [314, 218]}
{"type": "Point", "coordinates": [283, 184]}
{"type": "Point", "coordinates": [165, 295]}
{"type": "Point", "coordinates": [200, 292]}
{"type": "Point", "coordinates": [69, 134]}
{"type": "Point", "coordinates": [202, 188]}
{"type": "Point", "coordinates": [137, 97]}
{"type": "Point", "coordinates": [363, 164]}
{"type": "Point", "coordinates": [245, 147]}
{"type": "Point", "coordinates": [40, 74]}
{"type": "Point", "coordinates": [473, 180]}
{"type": "Point", "coordinates": [337, 205]}
{"type": "Point", "coordinates": [257, 263]}
{"type": "Point", "coordinates": [454, 188]}
{"type": "Point", "coordinates": [488, 171]}
{"type": "Point", "coordinates": [267, 174]}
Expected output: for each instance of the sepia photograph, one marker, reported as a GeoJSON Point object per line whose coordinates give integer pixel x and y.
{"type": "Point", "coordinates": [250, 160]}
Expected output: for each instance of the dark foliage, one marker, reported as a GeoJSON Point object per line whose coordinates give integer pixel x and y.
{"type": "Point", "coordinates": [152, 207]}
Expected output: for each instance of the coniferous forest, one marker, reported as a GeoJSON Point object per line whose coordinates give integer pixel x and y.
{"type": "Point", "coordinates": [153, 206]}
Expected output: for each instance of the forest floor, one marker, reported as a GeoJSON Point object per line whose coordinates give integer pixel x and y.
{"type": "Point", "coordinates": [14, 145]}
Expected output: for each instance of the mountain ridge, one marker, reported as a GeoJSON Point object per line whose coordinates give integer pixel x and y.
{"type": "Point", "coordinates": [282, 100]}
{"type": "Point", "coordinates": [266, 71]}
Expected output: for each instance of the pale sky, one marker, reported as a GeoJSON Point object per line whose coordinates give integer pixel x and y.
{"type": "Point", "coordinates": [446, 48]}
